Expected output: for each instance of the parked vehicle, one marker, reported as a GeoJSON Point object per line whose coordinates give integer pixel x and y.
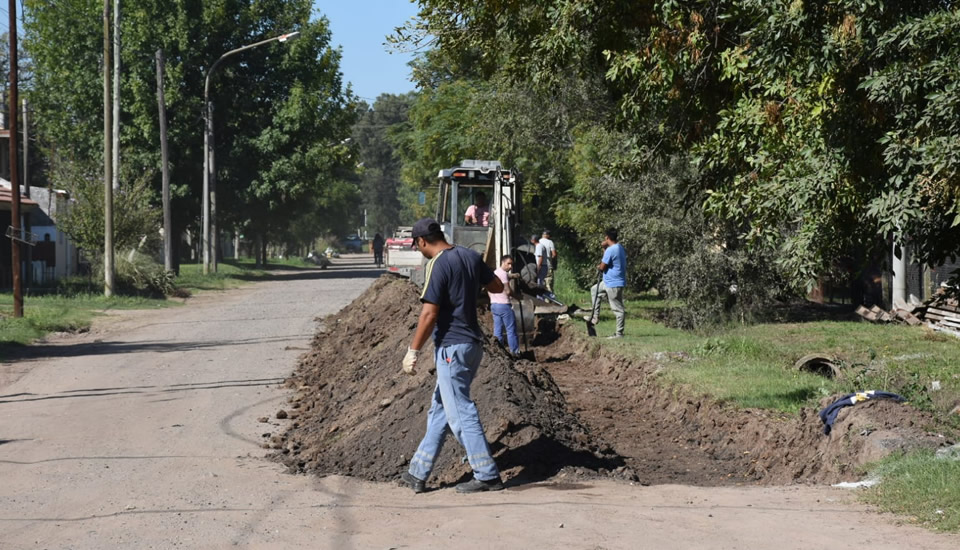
{"type": "Point", "coordinates": [399, 257]}
{"type": "Point", "coordinates": [353, 243]}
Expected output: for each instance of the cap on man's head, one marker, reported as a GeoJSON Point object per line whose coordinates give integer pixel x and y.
{"type": "Point", "coordinates": [426, 226]}
{"type": "Point", "coordinates": [546, 232]}
{"type": "Point", "coordinates": [535, 238]}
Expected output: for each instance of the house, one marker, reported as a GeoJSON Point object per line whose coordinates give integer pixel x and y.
{"type": "Point", "coordinates": [27, 208]}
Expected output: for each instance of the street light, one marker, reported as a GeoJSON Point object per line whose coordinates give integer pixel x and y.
{"type": "Point", "coordinates": [209, 166]}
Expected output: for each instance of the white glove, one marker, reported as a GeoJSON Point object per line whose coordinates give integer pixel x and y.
{"type": "Point", "coordinates": [410, 361]}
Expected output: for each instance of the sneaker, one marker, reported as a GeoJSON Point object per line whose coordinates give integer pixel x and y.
{"type": "Point", "coordinates": [418, 485]}
{"type": "Point", "coordinates": [477, 486]}
{"type": "Point", "coordinates": [614, 337]}
{"type": "Point", "coordinates": [590, 319]}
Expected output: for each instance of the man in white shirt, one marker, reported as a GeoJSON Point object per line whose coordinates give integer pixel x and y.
{"type": "Point", "coordinates": [550, 258]}
{"type": "Point", "coordinates": [543, 264]}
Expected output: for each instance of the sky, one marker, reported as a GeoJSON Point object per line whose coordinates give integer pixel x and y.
{"type": "Point", "coordinates": [360, 28]}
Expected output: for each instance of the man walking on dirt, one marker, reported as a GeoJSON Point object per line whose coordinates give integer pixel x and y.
{"type": "Point", "coordinates": [453, 278]}
{"type": "Point", "coordinates": [614, 269]}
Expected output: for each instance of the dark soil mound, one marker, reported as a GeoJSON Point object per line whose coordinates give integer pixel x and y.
{"type": "Point", "coordinates": [668, 437]}
{"type": "Point", "coordinates": [356, 413]}
{"type": "Point", "coordinates": [580, 410]}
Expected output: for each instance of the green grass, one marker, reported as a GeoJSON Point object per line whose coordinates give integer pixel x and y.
{"type": "Point", "coordinates": [920, 486]}
{"type": "Point", "coordinates": [752, 365]}
{"type": "Point", "coordinates": [231, 273]}
{"type": "Point", "coordinates": [46, 314]}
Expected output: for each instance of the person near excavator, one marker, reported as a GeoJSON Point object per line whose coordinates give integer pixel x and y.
{"type": "Point", "coordinates": [542, 257]}
{"type": "Point", "coordinates": [549, 259]}
{"type": "Point", "coordinates": [503, 318]}
{"type": "Point", "coordinates": [453, 277]}
{"type": "Point", "coordinates": [613, 266]}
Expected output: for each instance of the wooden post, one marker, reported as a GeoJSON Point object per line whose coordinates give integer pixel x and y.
{"type": "Point", "coordinates": [116, 95]}
{"type": "Point", "coordinates": [26, 148]}
{"type": "Point", "coordinates": [164, 170]}
{"type": "Point", "coordinates": [26, 187]}
{"type": "Point", "coordinates": [14, 181]}
{"type": "Point", "coordinates": [107, 158]}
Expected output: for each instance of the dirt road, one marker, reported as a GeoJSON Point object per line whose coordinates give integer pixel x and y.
{"type": "Point", "coordinates": [145, 434]}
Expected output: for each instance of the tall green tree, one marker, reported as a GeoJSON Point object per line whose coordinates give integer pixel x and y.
{"type": "Point", "coordinates": [814, 126]}
{"type": "Point", "coordinates": [381, 185]}
{"type": "Point", "coordinates": [282, 110]}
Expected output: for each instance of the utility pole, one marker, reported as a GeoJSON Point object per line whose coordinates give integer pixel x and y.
{"type": "Point", "coordinates": [116, 95]}
{"type": "Point", "coordinates": [107, 159]}
{"type": "Point", "coordinates": [14, 182]}
{"type": "Point", "coordinates": [164, 170]}
{"type": "Point", "coordinates": [207, 169]}
{"type": "Point", "coordinates": [209, 164]}
{"type": "Point", "coordinates": [26, 147]}
{"type": "Point", "coordinates": [26, 184]}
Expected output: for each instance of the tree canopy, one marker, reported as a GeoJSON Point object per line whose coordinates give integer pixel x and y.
{"type": "Point", "coordinates": [817, 130]}
{"type": "Point", "coordinates": [282, 112]}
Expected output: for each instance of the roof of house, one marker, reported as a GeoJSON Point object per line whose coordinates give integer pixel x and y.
{"type": "Point", "coordinates": [6, 198]}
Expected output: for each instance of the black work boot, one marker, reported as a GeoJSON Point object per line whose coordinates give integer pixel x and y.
{"type": "Point", "coordinates": [476, 486]}
{"type": "Point", "coordinates": [418, 485]}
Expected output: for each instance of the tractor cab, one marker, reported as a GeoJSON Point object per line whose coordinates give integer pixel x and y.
{"type": "Point", "coordinates": [478, 207]}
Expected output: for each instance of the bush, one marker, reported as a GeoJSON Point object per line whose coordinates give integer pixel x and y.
{"type": "Point", "coordinates": [137, 273]}
{"type": "Point", "coordinates": [717, 286]}
{"type": "Point", "coordinates": [671, 244]}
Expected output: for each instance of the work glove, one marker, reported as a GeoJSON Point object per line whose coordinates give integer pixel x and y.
{"type": "Point", "coordinates": [410, 361]}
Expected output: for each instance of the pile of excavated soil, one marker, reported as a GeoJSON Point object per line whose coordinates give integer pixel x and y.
{"type": "Point", "coordinates": [356, 413]}
{"type": "Point", "coordinates": [582, 410]}
{"type": "Point", "coordinates": [668, 437]}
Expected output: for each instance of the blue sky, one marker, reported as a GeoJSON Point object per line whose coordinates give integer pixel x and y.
{"type": "Point", "coordinates": [360, 27]}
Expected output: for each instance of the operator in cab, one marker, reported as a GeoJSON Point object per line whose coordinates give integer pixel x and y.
{"type": "Point", "coordinates": [478, 213]}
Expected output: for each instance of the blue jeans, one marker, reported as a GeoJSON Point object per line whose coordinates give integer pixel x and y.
{"type": "Point", "coordinates": [503, 319]}
{"type": "Point", "coordinates": [452, 408]}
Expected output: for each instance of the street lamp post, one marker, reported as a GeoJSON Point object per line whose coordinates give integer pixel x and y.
{"type": "Point", "coordinates": [209, 165]}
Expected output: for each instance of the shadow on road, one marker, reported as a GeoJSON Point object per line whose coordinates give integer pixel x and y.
{"type": "Point", "coordinates": [114, 348]}
{"type": "Point", "coordinates": [72, 394]}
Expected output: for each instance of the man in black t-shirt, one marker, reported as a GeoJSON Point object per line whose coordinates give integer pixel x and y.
{"type": "Point", "coordinates": [453, 279]}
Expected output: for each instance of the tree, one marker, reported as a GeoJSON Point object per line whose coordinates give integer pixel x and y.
{"type": "Point", "coordinates": [380, 182]}
{"type": "Point", "coordinates": [815, 127]}
{"type": "Point", "coordinates": [283, 111]}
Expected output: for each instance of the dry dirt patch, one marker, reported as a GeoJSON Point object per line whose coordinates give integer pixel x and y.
{"type": "Point", "coordinates": [579, 411]}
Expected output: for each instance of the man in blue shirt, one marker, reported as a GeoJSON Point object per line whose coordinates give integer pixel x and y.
{"type": "Point", "coordinates": [454, 277]}
{"type": "Point", "coordinates": [614, 269]}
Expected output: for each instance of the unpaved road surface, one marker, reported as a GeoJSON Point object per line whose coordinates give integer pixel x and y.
{"type": "Point", "coordinates": [144, 434]}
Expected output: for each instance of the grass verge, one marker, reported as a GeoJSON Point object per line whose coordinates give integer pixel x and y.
{"type": "Point", "coordinates": [752, 365]}
{"type": "Point", "coordinates": [919, 486]}
{"type": "Point", "coordinates": [58, 313]}
{"type": "Point", "coordinates": [232, 273]}
{"type": "Point", "coordinates": [73, 308]}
